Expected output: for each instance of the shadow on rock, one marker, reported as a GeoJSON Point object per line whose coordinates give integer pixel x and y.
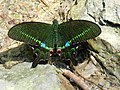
{"type": "Point", "coordinates": [13, 56]}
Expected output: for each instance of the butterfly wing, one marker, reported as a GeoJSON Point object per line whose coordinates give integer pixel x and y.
{"type": "Point", "coordinates": [78, 30]}
{"type": "Point", "coordinates": [35, 33]}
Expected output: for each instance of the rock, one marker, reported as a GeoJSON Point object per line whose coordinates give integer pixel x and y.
{"type": "Point", "coordinates": [111, 35]}
{"type": "Point", "coordinates": [103, 46]}
{"type": "Point", "coordinates": [22, 77]}
{"type": "Point", "coordinates": [78, 10]}
{"type": "Point", "coordinates": [86, 69]}
{"type": "Point", "coordinates": [10, 64]}
{"type": "Point", "coordinates": [100, 9]}
{"type": "Point", "coordinates": [111, 11]}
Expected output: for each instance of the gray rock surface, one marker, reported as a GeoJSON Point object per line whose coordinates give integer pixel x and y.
{"type": "Point", "coordinates": [111, 11]}
{"type": "Point", "coordinates": [108, 10]}
{"type": "Point", "coordinates": [111, 35]}
{"type": "Point", "coordinates": [21, 77]}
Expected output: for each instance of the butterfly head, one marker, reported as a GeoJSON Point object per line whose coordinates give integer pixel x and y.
{"type": "Point", "coordinates": [55, 52]}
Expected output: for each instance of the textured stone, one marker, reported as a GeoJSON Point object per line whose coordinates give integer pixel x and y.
{"type": "Point", "coordinates": [100, 9]}
{"type": "Point", "coordinates": [78, 10]}
{"type": "Point", "coordinates": [112, 11]}
{"type": "Point", "coordinates": [111, 35]}
{"type": "Point", "coordinates": [21, 77]}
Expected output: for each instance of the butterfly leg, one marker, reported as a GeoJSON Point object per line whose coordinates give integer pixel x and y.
{"type": "Point", "coordinates": [36, 58]}
{"type": "Point", "coordinates": [73, 56]}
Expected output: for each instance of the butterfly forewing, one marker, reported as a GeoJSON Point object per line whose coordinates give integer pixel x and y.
{"type": "Point", "coordinates": [32, 33]}
{"type": "Point", "coordinates": [79, 30]}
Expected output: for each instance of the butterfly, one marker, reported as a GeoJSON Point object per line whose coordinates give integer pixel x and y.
{"type": "Point", "coordinates": [54, 38]}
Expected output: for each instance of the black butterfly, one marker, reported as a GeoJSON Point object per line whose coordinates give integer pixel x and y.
{"type": "Point", "coordinates": [56, 37]}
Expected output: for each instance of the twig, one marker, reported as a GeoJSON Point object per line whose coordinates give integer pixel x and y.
{"type": "Point", "coordinates": [88, 80]}
{"type": "Point", "coordinates": [43, 1]}
{"type": "Point", "coordinates": [76, 79]}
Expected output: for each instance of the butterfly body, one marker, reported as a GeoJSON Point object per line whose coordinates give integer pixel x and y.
{"type": "Point", "coordinates": [55, 38]}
